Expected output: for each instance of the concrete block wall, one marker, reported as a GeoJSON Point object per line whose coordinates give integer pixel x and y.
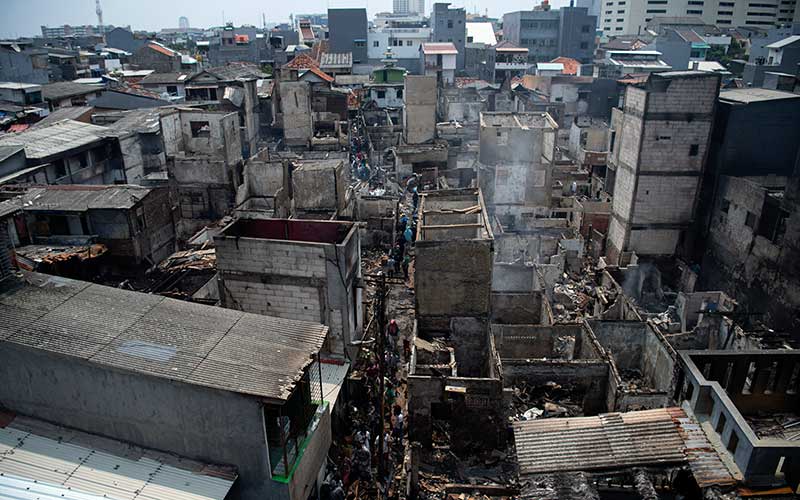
{"type": "Point", "coordinates": [152, 412]}
{"type": "Point", "coordinates": [419, 112]}
{"type": "Point", "coordinates": [282, 301]}
{"type": "Point", "coordinates": [252, 255]}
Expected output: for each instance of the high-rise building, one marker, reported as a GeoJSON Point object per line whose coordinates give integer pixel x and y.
{"type": "Point", "coordinates": [547, 34]}
{"type": "Point", "coordinates": [630, 17]}
{"type": "Point", "coordinates": [347, 30]}
{"type": "Point", "coordinates": [81, 30]}
{"type": "Point", "coordinates": [659, 141]}
{"type": "Point", "coordinates": [183, 22]}
{"type": "Point", "coordinates": [408, 7]}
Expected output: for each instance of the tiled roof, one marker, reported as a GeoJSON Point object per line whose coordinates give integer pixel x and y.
{"type": "Point", "coordinates": [191, 343]}
{"type": "Point", "coordinates": [328, 78]}
{"type": "Point", "coordinates": [158, 78]}
{"type": "Point", "coordinates": [570, 65]}
{"type": "Point", "coordinates": [232, 71]}
{"type": "Point", "coordinates": [162, 49]}
{"type": "Point", "coordinates": [301, 61]}
{"type": "Point", "coordinates": [445, 48]}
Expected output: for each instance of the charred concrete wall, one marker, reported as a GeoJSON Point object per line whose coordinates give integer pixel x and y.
{"type": "Point", "coordinates": [753, 250]}
{"type": "Point", "coordinates": [524, 308]}
{"type": "Point", "coordinates": [320, 185]}
{"type": "Point", "coordinates": [453, 259]}
{"type": "Point", "coordinates": [565, 354]}
{"type": "Point", "coordinates": [643, 365]}
{"type": "Point", "coordinates": [738, 384]}
{"type": "Point", "coordinates": [419, 112]}
{"type": "Point", "coordinates": [295, 113]}
{"type": "Point", "coordinates": [516, 161]}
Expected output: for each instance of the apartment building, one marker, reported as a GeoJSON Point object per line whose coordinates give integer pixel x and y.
{"type": "Point", "coordinates": [548, 34]}
{"type": "Point", "coordinates": [630, 17]}
{"type": "Point", "coordinates": [450, 26]}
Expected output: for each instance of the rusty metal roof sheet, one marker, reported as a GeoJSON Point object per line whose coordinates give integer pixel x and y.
{"type": "Point", "coordinates": [608, 441]}
{"type": "Point", "coordinates": [705, 463]}
{"type": "Point", "coordinates": [192, 343]}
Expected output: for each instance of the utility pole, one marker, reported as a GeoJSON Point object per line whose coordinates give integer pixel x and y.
{"type": "Point", "coordinates": [382, 364]}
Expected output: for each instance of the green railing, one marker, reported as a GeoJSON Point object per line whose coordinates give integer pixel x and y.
{"type": "Point", "coordinates": [289, 455]}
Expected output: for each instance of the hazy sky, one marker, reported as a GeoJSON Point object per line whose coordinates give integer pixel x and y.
{"type": "Point", "coordinates": [24, 17]}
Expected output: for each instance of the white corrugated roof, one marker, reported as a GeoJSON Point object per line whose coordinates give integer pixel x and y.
{"type": "Point", "coordinates": [35, 467]}
{"type": "Point", "coordinates": [550, 66]}
{"type": "Point", "coordinates": [783, 43]}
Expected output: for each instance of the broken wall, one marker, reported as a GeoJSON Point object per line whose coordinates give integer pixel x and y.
{"type": "Point", "coordinates": [419, 112]}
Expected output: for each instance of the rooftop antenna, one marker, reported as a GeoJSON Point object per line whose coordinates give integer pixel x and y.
{"type": "Point", "coordinates": [223, 17]}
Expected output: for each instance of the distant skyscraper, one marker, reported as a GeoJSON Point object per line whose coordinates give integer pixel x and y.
{"type": "Point", "coordinates": [408, 7]}
{"type": "Point", "coordinates": [183, 22]}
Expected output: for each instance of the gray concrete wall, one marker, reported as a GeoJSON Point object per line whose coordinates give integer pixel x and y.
{"type": "Point", "coordinates": [295, 112]}
{"type": "Point", "coordinates": [165, 415]}
{"type": "Point", "coordinates": [453, 278]}
{"type": "Point", "coordinates": [659, 157]}
{"type": "Point", "coordinates": [419, 112]}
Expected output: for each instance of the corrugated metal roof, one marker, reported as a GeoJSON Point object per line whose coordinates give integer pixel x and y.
{"type": "Point", "coordinates": [43, 142]}
{"type": "Point", "coordinates": [783, 43]}
{"type": "Point", "coordinates": [62, 90]}
{"type": "Point", "coordinates": [608, 441]}
{"type": "Point", "coordinates": [705, 463]}
{"type": "Point", "coordinates": [40, 468]}
{"type": "Point", "coordinates": [445, 48]}
{"type": "Point", "coordinates": [160, 78]}
{"type": "Point", "coordinates": [80, 198]}
{"type": "Point", "coordinates": [193, 343]}
{"type": "Point", "coordinates": [68, 113]}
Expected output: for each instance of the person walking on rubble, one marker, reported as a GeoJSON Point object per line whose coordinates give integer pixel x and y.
{"type": "Point", "coordinates": [406, 264]}
{"type": "Point", "coordinates": [415, 198]}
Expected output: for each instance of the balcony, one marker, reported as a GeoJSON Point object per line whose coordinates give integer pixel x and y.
{"type": "Point", "coordinates": [301, 446]}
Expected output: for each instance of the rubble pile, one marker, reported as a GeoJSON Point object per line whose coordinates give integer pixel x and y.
{"type": "Point", "coordinates": [545, 401]}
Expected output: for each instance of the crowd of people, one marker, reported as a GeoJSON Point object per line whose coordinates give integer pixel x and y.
{"type": "Point", "coordinates": [361, 457]}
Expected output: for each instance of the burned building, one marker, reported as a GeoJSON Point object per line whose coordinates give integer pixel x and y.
{"type": "Point", "coordinates": [132, 224]}
{"type": "Point", "coordinates": [516, 165]}
{"type": "Point", "coordinates": [729, 392]}
{"type": "Point", "coordinates": [205, 167]}
{"type": "Point", "coordinates": [660, 141]}
{"type": "Point", "coordinates": [230, 88]}
{"type": "Point", "coordinates": [294, 269]}
{"type": "Point", "coordinates": [458, 381]}
{"type": "Point", "coordinates": [419, 110]}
